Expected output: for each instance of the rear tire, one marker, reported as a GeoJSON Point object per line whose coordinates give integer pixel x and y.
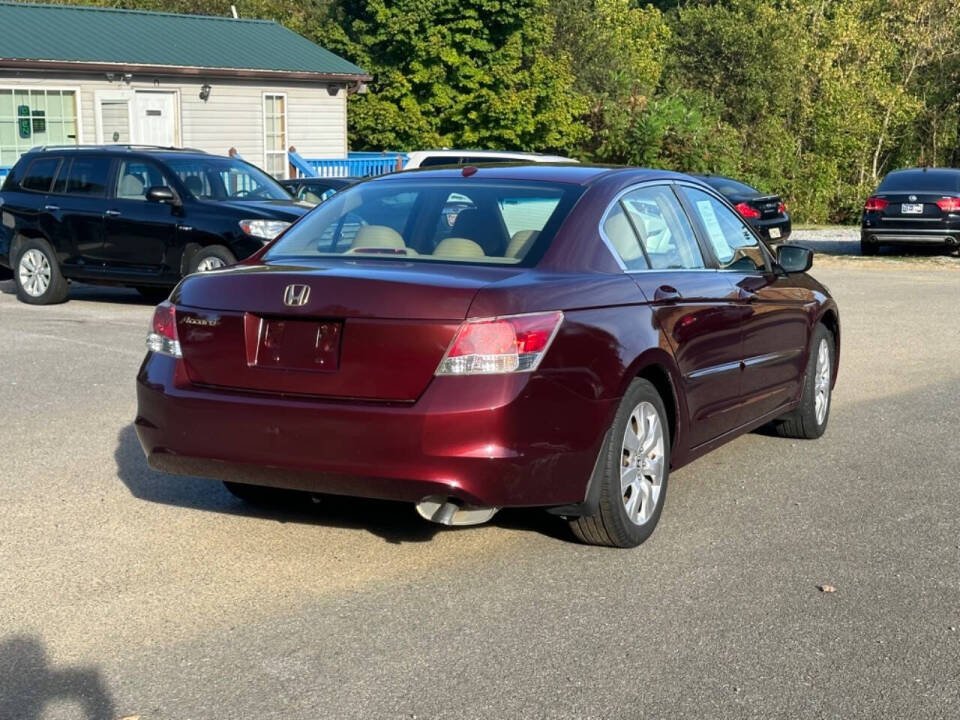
{"type": "Point", "coordinates": [809, 420]}
{"type": "Point", "coordinates": [868, 247]}
{"type": "Point", "coordinates": [212, 257]}
{"type": "Point", "coordinates": [633, 470]}
{"type": "Point", "coordinates": [37, 274]}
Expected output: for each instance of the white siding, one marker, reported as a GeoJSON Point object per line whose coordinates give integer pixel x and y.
{"type": "Point", "coordinates": [232, 117]}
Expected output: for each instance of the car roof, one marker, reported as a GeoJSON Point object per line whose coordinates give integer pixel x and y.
{"type": "Point", "coordinates": [458, 152]}
{"type": "Point", "coordinates": [924, 171]}
{"type": "Point", "coordinates": [572, 173]}
{"type": "Point", "coordinates": [133, 150]}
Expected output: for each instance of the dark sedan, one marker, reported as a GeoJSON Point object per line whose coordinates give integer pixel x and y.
{"type": "Point", "coordinates": [316, 190]}
{"type": "Point", "coordinates": [919, 206]}
{"type": "Point", "coordinates": [576, 334]}
{"type": "Point", "coordinates": [766, 213]}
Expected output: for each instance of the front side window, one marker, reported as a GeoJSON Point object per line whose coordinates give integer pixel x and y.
{"type": "Point", "coordinates": [39, 175]}
{"type": "Point", "coordinates": [450, 220]}
{"type": "Point", "coordinates": [88, 176]}
{"type": "Point", "coordinates": [734, 246]}
{"type": "Point", "coordinates": [225, 179]}
{"type": "Point", "coordinates": [136, 177]}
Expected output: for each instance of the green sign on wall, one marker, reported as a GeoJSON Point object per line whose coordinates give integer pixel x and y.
{"type": "Point", "coordinates": [23, 121]}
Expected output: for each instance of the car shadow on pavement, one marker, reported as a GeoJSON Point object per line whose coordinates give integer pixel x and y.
{"type": "Point", "coordinates": [28, 683]}
{"type": "Point", "coordinates": [92, 293]}
{"type": "Point", "coordinates": [395, 522]}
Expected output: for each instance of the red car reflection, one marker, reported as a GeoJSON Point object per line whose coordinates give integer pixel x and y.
{"type": "Point", "coordinates": [575, 334]}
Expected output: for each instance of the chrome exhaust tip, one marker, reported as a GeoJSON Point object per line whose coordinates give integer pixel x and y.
{"type": "Point", "coordinates": [449, 511]}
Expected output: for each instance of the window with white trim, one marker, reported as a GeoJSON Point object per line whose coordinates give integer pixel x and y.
{"type": "Point", "coordinates": [275, 135]}
{"type": "Point", "coordinates": [32, 116]}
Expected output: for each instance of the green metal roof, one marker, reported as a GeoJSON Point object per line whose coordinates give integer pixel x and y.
{"type": "Point", "coordinates": [94, 35]}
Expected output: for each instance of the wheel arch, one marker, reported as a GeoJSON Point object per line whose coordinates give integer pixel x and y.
{"type": "Point", "coordinates": [659, 368]}
{"type": "Point", "coordinates": [830, 319]}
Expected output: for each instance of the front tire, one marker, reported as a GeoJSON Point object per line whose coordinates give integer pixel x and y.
{"type": "Point", "coordinates": [633, 472]}
{"type": "Point", "coordinates": [212, 257]}
{"type": "Point", "coordinates": [37, 274]}
{"type": "Point", "coordinates": [809, 420]}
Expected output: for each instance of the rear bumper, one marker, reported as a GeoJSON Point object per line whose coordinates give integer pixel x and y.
{"type": "Point", "coordinates": [781, 223]}
{"type": "Point", "coordinates": [510, 440]}
{"type": "Point", "coordinates": [911, 236]}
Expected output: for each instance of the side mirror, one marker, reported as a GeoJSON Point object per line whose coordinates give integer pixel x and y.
{"type": "Point", "coordinates": [163, 194]}
{"type": "Point", "coordinates": [794, 258]}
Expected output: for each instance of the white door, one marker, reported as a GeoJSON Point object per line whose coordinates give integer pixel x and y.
{"type": "Point", "coordinates": [155, 120]}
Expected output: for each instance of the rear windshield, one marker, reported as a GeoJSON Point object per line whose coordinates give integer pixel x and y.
{"type": "Point", "coordinates": [450, 220]}
{"type": "Point", "coordinates": [918, 180]}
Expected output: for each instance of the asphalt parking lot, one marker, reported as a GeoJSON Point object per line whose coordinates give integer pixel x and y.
{"type": "Point", "coordinates": [127, 592]}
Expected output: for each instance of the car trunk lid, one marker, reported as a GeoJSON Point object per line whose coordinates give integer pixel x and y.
{"type": "Point", "coordinates": [369, 330]}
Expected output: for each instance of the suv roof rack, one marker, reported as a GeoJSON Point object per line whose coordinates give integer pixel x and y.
{"type": "Point", "coordinates": [121, 146]}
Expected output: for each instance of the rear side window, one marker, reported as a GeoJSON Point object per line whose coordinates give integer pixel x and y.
{"type": "Point", "coordinates": [649, 229]}
{"type": "Point", "coordinates": [448, 220]}
{"type": "Point", "coordinates": [39, 175]}
{"type": "Point", "coordinates": [88, 176]}
{"type": "Point", "coordinates": [921, 181]}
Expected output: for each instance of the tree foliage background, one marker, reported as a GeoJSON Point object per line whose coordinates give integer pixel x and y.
{"type": "Point", "coordinates": [813, 99]}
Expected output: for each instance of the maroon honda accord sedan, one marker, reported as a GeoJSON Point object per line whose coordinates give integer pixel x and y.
{"type": "Point", "coordinates": [573, 336]}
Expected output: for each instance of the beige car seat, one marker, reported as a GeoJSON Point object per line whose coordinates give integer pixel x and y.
{"type": "Point", "coordinates": [459, 248]}
{"type": "Point", "coordinates": [131, 187]}
{"type": "Point", "coordinates": [377, 237]}
{"type": "Point", "coordinates": [520, 243]}
{"type": "Point", "coordinates": [621, 234]}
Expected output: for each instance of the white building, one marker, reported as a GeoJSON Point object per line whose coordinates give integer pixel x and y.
{"type": "Point", "coordinates": [90, 75]}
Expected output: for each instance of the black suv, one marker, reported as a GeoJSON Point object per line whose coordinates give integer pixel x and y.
{"type": "Point", "coordinates": [136, 216]}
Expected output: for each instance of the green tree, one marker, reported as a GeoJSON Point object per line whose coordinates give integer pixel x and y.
{"type": "Point", "coordinates": [468, 73]}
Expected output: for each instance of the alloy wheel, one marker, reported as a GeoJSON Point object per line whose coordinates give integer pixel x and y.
{"type": "Point", "coordinates": [34, 272]}
{"type": "Point", "coordinates": [642, 463]}
{"type": "Point", "coordinates": [210, 263]}
{"type": "Point", "coordinates": [821, 387]}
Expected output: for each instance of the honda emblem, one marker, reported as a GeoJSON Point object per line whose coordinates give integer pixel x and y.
{"type": "Point", "coordinates": [296, 295]}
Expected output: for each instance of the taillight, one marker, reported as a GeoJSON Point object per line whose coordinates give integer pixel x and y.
{"type": "Point", "coordinates": [781, 208]}
{"type": "Point", "coordinates": [949, 204]}
{"type": "Point", "coordinates": [747, 211]}
{"type": "Point", "coordinates": [162, 337]}
{"type": "Point", "coordinates": [875, 204]}
{"type": "Point", "coordinates": [516, 343]}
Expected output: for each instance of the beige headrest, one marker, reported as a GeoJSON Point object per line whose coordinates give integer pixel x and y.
{"type": "Point", "coordinates": [377, 236]}
{"type": "Point", "coordinates": [621, 234]}
{"type": "Point", "coordinates": [520, 242]}
{"type": "Point", "coordinates": [458, 247]}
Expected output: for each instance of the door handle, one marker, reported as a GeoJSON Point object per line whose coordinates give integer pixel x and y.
{"type": "Point", "coordinates": [111, 213]}
{"type": "Point", "coordinates": [666, 292]}
{"type": "Point", "coordinates": [51, 208]}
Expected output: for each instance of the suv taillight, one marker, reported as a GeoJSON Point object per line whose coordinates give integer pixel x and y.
{"type": "Point", "coordinates": [162, 337]}
{"type": "Point", "coordinates": [875, 204]}
{"type": "Point", "coordinates": [949, 204]}
{"type": "Point", "coordinates": [515, 343]}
